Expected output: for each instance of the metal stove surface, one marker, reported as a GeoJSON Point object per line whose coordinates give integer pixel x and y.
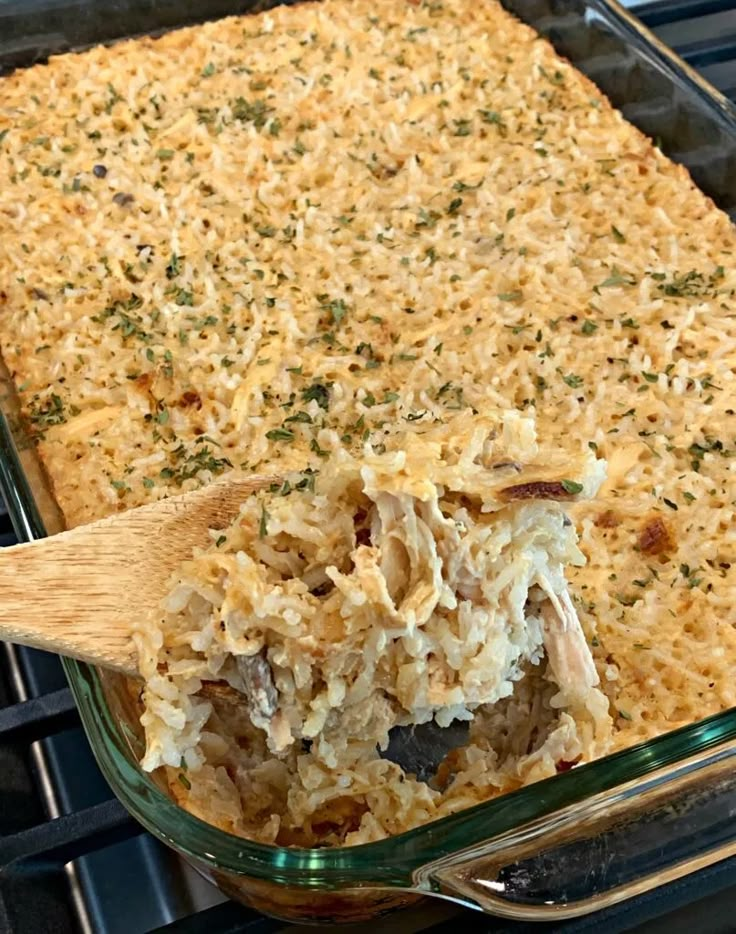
{"type": "Point", "coordinates": [71, 860]}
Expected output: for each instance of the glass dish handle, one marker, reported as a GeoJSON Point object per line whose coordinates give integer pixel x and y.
{"type": "Point", "coordinates": [605, 849]}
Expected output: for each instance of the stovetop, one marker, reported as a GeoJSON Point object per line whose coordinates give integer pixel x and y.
{"type": "Point", "coordinates": [72, 860]}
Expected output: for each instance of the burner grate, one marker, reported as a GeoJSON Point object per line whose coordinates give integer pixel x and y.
{"type": "Point", "coordinates": [660, 12]}
{"type": "Point", "coordinates": [72, 860]}
{"type": "Point", "coordinates": [38, 717]}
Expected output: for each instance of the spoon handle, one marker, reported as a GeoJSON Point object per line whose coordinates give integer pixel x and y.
{"type": "Point", "coordinates": [81, 593]}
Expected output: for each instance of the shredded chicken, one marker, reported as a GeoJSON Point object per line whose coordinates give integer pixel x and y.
{"type": "Point", "coordinates": [564, 642]}
{"type": "Point", "coordinates": [414, 584]}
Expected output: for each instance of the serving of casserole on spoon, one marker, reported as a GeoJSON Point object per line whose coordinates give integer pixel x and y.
{"type": "Point", "coordinates": [410, 588]}
{"type": "Point", "coordinates": [371, 610]}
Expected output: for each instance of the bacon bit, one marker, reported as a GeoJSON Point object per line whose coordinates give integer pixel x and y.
{"type": "Point", "coordinates": [144, 381]}
{"type": "Point", "coordinates": [385, 172]}
{"type": "Point", "coordinates": [607, 520]}
{"type": "Point", "coordinates": [344, 812]}
{"type": "Point", "coordinates": [535, 489]}
{"type": "Point", "coordinates": [564, 766]}
{"type": "Point", "coordinates": [220, 692]}
{"type": "Point", "coordinates": [189, 398]}
{"type": "Point", "coordinates": [448, 768]}
{"type": "Point", "coordinates": [655, 538]}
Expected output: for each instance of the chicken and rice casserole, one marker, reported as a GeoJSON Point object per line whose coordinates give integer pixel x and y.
{"type": "Point", "coordinates": [380, 249]}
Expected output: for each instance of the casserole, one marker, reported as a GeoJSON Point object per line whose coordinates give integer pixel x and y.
{"type": "Point", "coordinates": [337, 884]}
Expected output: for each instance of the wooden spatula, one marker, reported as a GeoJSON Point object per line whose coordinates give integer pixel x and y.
{"type": "Point", "coordinates": [80, 593]}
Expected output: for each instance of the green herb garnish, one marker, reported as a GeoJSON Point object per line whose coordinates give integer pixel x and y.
{"type": "Point", "coordinates": [617, 235]}
{"type": "Point", "coordinates": [572, 379]}
{"type": "Point", "coordinates": [256, 112]}
{"type": "Point", "coordinates": [572, 486]}
{"type": "Point", "coordinates": [514, 296]}
{"type": "Point", "coordinates": [616, 279]}
{"type": "Point", "coordinates": [280, 434]}
{"type": "Point", "coordinates": [263, 524]}
{"type": "Point", "coordinates": [319, 392]}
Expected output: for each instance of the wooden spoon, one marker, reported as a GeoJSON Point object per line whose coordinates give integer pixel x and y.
{"type": "Point", "coordinates": [80, 593]}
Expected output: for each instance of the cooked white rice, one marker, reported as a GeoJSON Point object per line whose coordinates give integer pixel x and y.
{"type": "Point", "coordinates": [420, 583]}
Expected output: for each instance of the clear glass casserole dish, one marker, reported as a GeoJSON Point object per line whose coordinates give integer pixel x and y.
{"type": "Point", "coordinates": [562, 847]}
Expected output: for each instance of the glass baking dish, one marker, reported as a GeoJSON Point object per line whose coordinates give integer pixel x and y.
{"type": "Point", "coordinates": [563, 847]}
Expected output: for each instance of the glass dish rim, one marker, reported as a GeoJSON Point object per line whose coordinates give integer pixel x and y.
{"type": "Point", "coordinates": [389, 862]}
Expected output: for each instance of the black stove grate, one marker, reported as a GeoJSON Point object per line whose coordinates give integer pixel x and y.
{"type": "Point", "coordinates": [72, 860]}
